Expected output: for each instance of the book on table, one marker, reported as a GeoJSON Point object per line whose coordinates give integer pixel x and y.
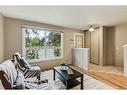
{"type": "Point", "coordinates": [70, 72]}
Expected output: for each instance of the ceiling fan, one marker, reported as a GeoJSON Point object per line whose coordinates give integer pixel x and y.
{"type": "Point", "coordinates": [91, 28]}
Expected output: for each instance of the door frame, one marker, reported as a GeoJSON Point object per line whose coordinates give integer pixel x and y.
{"type": "Point", "coordinates": [78, 34]}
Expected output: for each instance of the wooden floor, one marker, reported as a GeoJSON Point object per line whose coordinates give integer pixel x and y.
{"type": "Point", "coordinates": [116, 81]}
{"type": "Point", "coordinates": [107, 69]}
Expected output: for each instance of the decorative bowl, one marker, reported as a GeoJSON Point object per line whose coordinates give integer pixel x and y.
{"type": "Point", "coordinates": [64, 67]}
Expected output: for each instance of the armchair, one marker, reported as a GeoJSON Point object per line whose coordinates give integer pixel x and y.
{"type": "Point", "coordinates": [25, 68]}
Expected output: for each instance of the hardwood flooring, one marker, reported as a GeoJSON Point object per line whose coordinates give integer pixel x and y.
{"type": "Point", "coordinates": [108, 69]}
{"type": "Point", "coordinates": [116, 81]}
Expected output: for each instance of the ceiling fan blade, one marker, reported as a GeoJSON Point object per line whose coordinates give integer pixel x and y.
{"type": "Point", "coordinates": [86, 30]}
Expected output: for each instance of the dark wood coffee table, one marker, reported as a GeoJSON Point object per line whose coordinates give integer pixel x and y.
{"type": "Point", "coordinates": [68, 80]}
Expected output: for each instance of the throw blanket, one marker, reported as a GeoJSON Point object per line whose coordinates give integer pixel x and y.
{"type": "Point", "coordinates": [9, 68]}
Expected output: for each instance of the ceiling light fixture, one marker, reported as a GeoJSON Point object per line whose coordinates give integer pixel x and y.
{"type": "Point", "coordinates": [91, 29]}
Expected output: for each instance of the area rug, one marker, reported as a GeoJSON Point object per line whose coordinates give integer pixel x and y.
{"type": "Point", "coordinates": [90, 83]}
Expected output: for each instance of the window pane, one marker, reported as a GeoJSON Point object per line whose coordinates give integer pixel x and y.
{"type": "Point", "coordinates": [34, 38]}
{"type": "Point", "coordinates": [53, 39]}
{"type": "Point", "coordinates": [50, 52]}
{"type": "Point", "coordinates": [31, 54]}
{"type": "Point", "coordinates": [57, 51]}
{"type": "Point", "coordinates": [53, 43]}
{"type": "Point", "coordinates": [41, 53]}
{"type": "Point", "coordinates": [41, 37]}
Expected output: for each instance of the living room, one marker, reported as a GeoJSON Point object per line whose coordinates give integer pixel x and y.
{"type": "Point", "coordinates": [48, 41]}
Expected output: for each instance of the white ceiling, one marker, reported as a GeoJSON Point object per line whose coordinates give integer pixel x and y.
{"type": "Point", "coordinates": [78, 17]}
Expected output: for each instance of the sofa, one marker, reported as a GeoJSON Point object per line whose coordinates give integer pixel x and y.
{"type": "Point", "coordinates": [12, 78]}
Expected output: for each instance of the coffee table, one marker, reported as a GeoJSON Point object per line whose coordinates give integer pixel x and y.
{"type": "Point", "coordinates": [69, 81]}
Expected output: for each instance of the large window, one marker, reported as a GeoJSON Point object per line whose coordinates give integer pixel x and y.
{"type": "Point", "coordinates": [42, 44]}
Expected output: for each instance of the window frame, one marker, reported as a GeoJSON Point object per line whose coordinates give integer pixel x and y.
{"type": "Point", "coordinates": [45, 59]}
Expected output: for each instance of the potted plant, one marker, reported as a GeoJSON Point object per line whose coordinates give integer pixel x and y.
{"type": "Point", "coordinates": [63, 65]}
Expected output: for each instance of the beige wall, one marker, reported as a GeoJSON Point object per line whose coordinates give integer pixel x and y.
{"type": "Point", "coordinates": [1, 39]}
{"type": "Point", "coordinates": [111, 40]}
{"type": "Point", "coordinates": [87, 40]}
{"type": "Point", "coordinates": [120, 40]}
{"type": "Point", "coordinates": [94, 47]}
{"type": "Point", "coordinates": [103, 43]}
{"type": "Point", "coordinates": [99, 40]}
{"type": "Point", "coordinates": [110, 44]}
{"type": "Point", "coordinates": [87, 37]}
{"type": "Point", "coordinates": [116, 37]}
{"type": "Point", "coordinates": [13, 40]}
{"type": "Point", "coordinates": [101, 46]}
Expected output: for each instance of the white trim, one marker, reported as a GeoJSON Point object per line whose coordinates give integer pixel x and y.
{"type": "Point", "coordinates": [40, 28]}
{"type": "Point", "coordinates": [23, 43]}
{"type": "Point", "coordinates": [79, 34]}
{"type": "Point", "coordinates": [46, 59]}
{"type": "Point", "coordinates": [80, 48]}
{"type": "Point", "coordinates": [62, 42]}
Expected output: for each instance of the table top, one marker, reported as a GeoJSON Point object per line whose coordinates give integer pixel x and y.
{"type": "Point", "coordinates": [65, 74]}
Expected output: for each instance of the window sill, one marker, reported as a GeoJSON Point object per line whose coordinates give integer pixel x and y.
{"type": "Point", "coordinates": [39, 60]}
